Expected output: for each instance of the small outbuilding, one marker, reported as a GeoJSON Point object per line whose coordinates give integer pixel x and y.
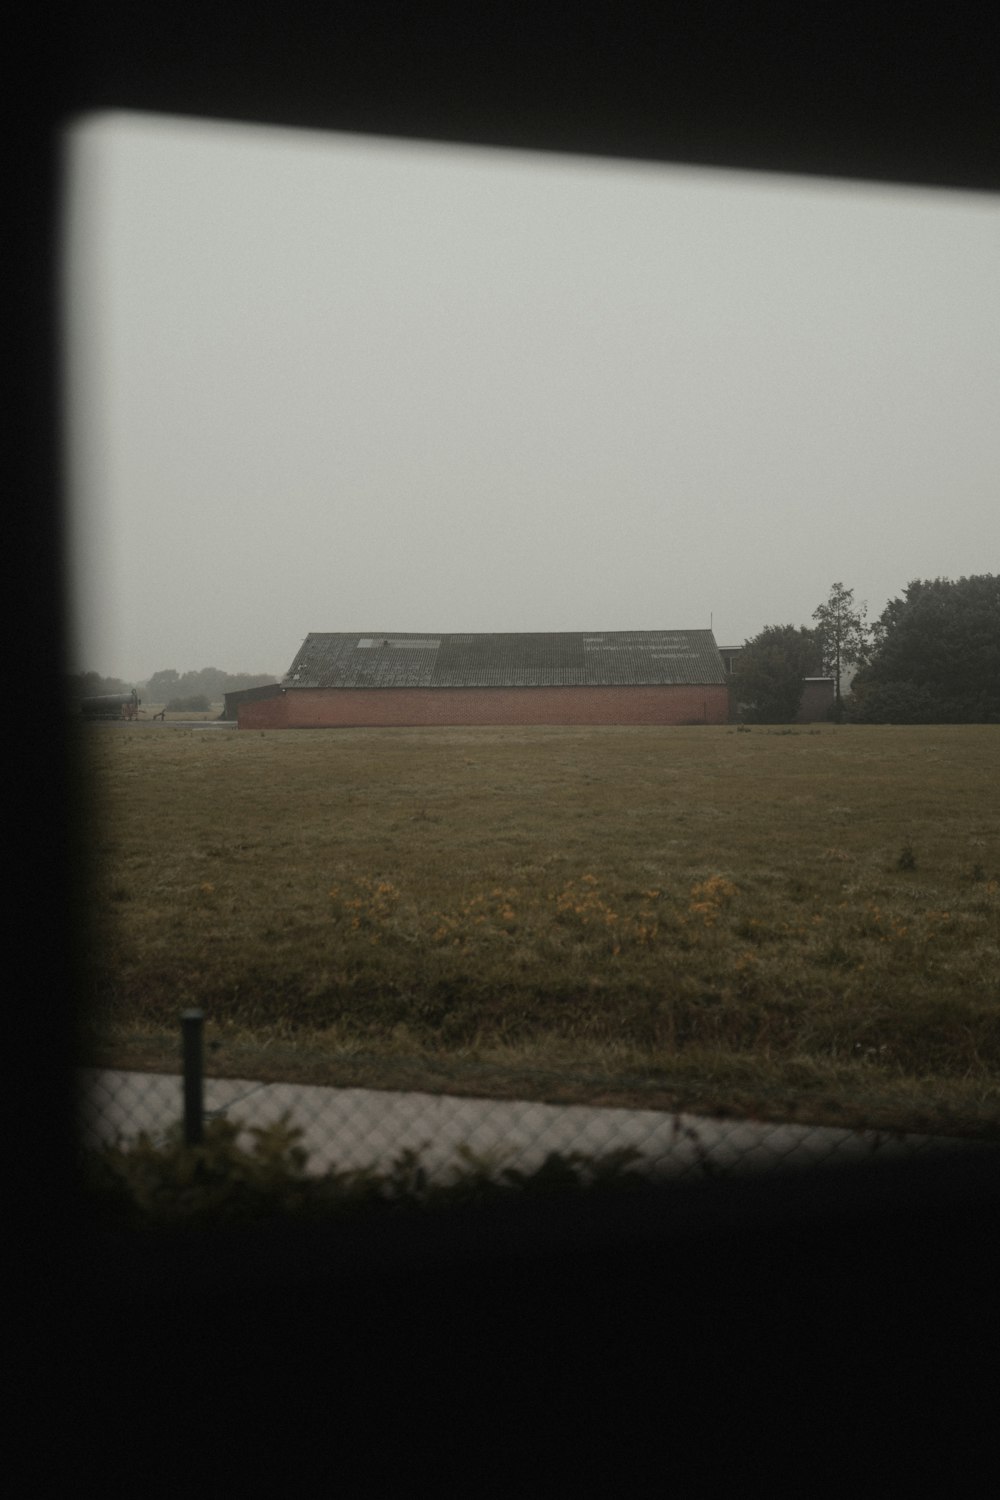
{"type": "Point", "coordinates": [234, 701]}
{"type": "Point", "coordinates": [583, 677]}
{"type": "Point", "coordinates": [817, 701]}
{"type": "Point", "coordinates": [818, 693]}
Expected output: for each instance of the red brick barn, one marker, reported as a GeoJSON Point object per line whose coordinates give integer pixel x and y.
{"type": "Point", "coordinates": [584, 677]}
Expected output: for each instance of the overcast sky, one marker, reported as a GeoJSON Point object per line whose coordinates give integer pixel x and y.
{"type": "Point", "coordinates": [322, 382]}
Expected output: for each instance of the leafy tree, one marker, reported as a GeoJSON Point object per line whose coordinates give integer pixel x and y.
{"type": "Point", "coordinates": [208, 682]}
{"type": "Point", "coordinates": [842, 636]}
{"type": "Point", "coordinates": [82, 685]}
{"type": "Point", "coordinates": [236, 681]}
{"type": "Point", "coordinates": [767, 678]}
{"type": "Point", "coordinates": [936, 656]}
{"type": "Point", "coordinates": [163, 685]}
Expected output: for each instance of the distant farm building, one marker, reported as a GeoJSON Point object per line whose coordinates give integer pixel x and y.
{"type": "Point", "coordinates": [233, 702]}
{"type": "Point", "coordinates": [586, 677]}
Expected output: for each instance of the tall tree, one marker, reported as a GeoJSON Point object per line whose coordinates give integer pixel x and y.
{"type": "Point", "coordinates": [936, 657]}
{"type": "Point", "coordinates": [842, 635]}
{"type": "Point", "coordinates": [162, 686]}
{"type": "Point", "coordinates": [82, 685]}
{"type": "Point", "coordinates": [767, 679]}
{"type": "Point", "coordinates": [209, 682]}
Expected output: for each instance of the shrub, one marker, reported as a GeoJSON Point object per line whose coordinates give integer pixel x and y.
{"type": "Point", "coordinates": [907, 858]}
{"type": "Point", "coordinates": [145, 1184]}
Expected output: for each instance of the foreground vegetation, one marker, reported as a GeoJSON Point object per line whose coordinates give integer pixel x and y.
{"type": "Point", "coordinates": [781, 923]}
{"type": "Point", "coordinates": [148, 1185]}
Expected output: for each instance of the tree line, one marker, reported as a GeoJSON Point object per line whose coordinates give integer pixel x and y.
{"type": "Point", "coordinates": [168, 686]}
{"type": "Point", "coordinates": [932, 657]}
{"type": "Point", "coordinates": [210, 683]}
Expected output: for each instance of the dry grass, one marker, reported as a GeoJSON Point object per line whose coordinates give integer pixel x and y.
{"type": "Point", "coordinates": [783, 923]}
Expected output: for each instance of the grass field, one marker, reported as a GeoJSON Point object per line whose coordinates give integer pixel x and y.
{"type": "Point", "coordinates": [790, 924]}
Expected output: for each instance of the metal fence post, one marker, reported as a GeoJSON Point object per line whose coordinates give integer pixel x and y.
{"type": "Point", "coordinates": [194, 1113]}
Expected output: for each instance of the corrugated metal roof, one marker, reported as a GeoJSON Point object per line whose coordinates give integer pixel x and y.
{"type": "Point", "coordinates": [612, 658]}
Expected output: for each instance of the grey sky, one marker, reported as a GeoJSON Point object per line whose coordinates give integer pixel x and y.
{"type": "Point", "coordinates": [332, 383]}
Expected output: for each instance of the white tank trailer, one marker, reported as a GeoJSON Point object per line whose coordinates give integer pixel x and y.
{"type": "Point", "coordinates": [112, 706]}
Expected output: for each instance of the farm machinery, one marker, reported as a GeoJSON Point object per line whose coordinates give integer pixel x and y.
{"type": "Point", "coordinates": [112, 706]}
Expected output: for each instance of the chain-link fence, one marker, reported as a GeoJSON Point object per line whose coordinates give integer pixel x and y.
{"type": "Point", "coordinates": [351, 1128]}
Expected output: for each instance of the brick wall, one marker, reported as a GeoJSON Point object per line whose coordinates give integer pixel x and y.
{"type": "Point", "coordinates": [325, 708]}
